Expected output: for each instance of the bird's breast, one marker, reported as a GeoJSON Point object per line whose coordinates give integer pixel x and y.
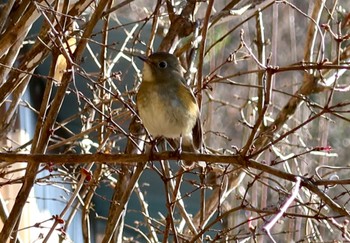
{"type": "Point", "coordinates": [165, 111]}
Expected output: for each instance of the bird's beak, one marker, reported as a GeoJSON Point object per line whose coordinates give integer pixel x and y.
{"type": "Point", "coordinates": [143, 58]}
{"type": "Point", "coordinates": [146, 60]}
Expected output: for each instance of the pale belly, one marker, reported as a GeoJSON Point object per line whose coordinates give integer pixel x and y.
{"type": "Point", "coordinates": [166, 116]}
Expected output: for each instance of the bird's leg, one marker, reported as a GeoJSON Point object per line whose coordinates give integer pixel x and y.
{"type": "Point", "coordinates": [153, 143]}
{"type": "Point", "coordinates": [178, 150]}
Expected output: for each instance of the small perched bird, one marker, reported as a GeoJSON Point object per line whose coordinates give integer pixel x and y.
{"type": "Point", "coordinates": [166, 106]}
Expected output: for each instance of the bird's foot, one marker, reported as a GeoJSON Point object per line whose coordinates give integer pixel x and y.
{"type": "Point", "coordinates": [153, 148]}
{"type": "Point", "coordinates": [177, 153]}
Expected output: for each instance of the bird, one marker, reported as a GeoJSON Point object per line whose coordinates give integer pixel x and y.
{"type": "Point", "coordinates": [166, 105]}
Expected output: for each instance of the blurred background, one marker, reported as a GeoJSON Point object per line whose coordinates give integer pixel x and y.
{"type": "Point", "coordinates": [271, 79]}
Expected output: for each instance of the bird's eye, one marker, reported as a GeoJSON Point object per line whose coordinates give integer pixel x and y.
{"type": "Point", "coordinates": [162, 64]}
